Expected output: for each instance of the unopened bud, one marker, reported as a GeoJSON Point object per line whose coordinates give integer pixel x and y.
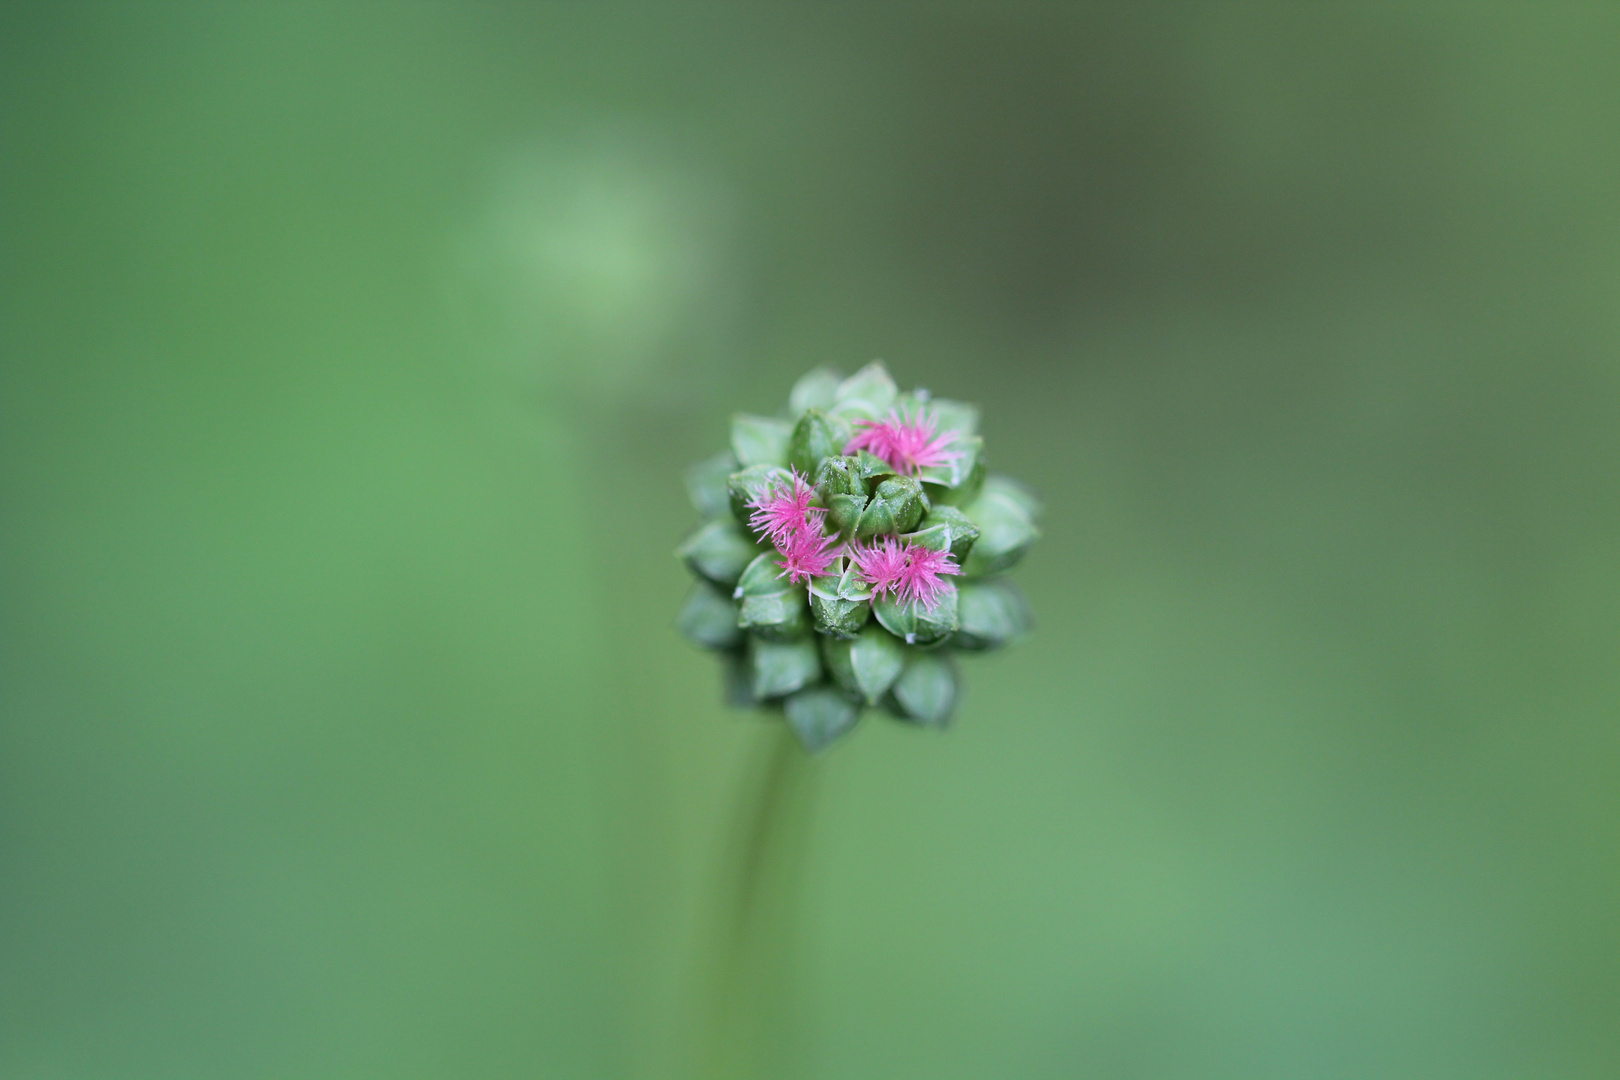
{"type": "Point", "coordinates": [896, 507]}
{"type": "Point", "coordinates": [1004, 513]}
{"type": "Point", "coordinates": [945, 528]}
{"type": "Point", "coordinates": [759, 440]}
{"type": "Point", "coordinates": [841, 605]}
{"type": "Point", "coordinates": [719, 551]}
{"type": "Point", "coordinates": [815, 438]}
{"type": "Point", "coordinates": [709, 617]}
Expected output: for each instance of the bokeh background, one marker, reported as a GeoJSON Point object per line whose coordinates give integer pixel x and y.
{"type": "Point", "coordinates": [349, 356]}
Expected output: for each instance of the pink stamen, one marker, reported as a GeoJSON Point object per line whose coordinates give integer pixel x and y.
{"type": "Point", "coordinates": [807, 554]}
{"type": "Point", "coordinates": [782, 512]}
{"type": "Point", "coordinates": [920, 580]}
{"type": "Point", "coordinates": [907, 443]}
{"type": "Point", "coordinates": [908, 573]}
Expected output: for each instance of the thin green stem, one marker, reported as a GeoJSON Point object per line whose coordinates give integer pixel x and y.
{"type": "Point", "coordinates": [750, 1019]}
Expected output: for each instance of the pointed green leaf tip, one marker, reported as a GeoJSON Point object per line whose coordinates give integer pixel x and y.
{"type": "Point", "coordinates": [759, 440]}
{"type": "Point", "coordinates": [820, 652]}
{"type": "Point", "coordinates": [925, 693]}
{"type": "Point", "coordinates": [718, 551]}
{"type": "Point", "coordinates": [866, 665]}
{"type": "Point", "coordinates": [771, 608]}
{"type": "Point", "coordinates": [818, 716]}
{"type": "Point", "coordinates": [1005, 514]}
{"type": "Point", "coordinates": [778, 668]}
{"type": "Point", "coordinates": [816, 390]}
{"type": "Point", "coordinates": [992, 613]}
{"type": "Point", "coordinates": [709, 618]}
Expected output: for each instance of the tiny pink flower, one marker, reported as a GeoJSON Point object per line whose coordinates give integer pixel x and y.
{"type": "Point", "coordinates": [882, 565]}
{"type": "Point", "coordinates": [783, 511]}
{"type": "Point", "coordinates": [807, 554]}
{"type": "Point", "coordinates": [920, 579]}
{"type": "Point", "coordinates": [907, 443]}
{"type": "Point", "coordinates": [908, 573]}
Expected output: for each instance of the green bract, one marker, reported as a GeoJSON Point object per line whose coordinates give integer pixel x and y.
{"type": "Point", "coordinates": [799, 629]}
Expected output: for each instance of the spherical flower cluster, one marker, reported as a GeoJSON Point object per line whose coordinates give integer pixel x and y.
{"type": "Point", "coordinates": [850, 548]}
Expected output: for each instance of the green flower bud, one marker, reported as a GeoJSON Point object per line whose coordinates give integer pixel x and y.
{"type": "Point", "coordinates": [819, 715]}
{"type": "Point", "coordinates": [779, 668]}
{"type": "Point", "coordinates": [719, 551]}
{"type": "Point", "coordinates": [815, 439]}
{"type": "Point", "coordinates": [771, 607]}
{"type": "Point", "coordinates": [915, 624]}
{"type": "Point", "coordinates": [759, 440]}
{"type": "Point", "coordinates": [706, 484]}
{"type": "Point", "coordinates": [1004, 513]}
{"type": "Point", "coordinates": [816, 390]}
{"type": "Point", "coordinates": [737, 680]}
{"type": "Point", "coordinates": [925, 692]}
{"type": "Point", "coordinates": [945, 528]}
{"type": "Point", "coordinates": [709, 617]}
{"type": "Point", "coordinates": [866, 665]}
{"type": "Point", "coordinates": [751, 483]}
{"type": "Point", "coordinates": [841, 488]}
{"type": "Point", "coordinates": [992, 613]}
{"type": "Point", "coordinates": [841, 605]}
{"type": "Point", "coordinates": [896, 507]}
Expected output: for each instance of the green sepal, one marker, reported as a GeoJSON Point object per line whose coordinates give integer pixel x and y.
{"type": "Point", "coordinates": [706, 483]}
{"type": "Point", "coordinates": [816, 438]}
{"type": "Point", "coordinates": [991, 613]}
{"type": "Point", "coordinates": [709, 617]}
{"type": "Point", "coordinates": [779, 668]}
{"type": "Point", "coordinates": [866, 665]}
{"type": "Point", "coordinates": [840, 605]}
{"type": "Point", "coordinates": [819, 716]}
{"type": "Point", "coordinates": [873, 385]}
{"type": "Point", "coordinates": [960, 468]}
{"type": "Point", "coordinates": [749, 484]}
{"type": "Point", "coordinates": [915, 624]}
{"type": "Point", "coordinates": [925, 693]}
{"type": "Point", "coordinates": [1006, 487]}
{"type": "Point", "coordinates": [873, 467]}
{"type": "Point", "coordinates": [1006, 529]}
{"type": "Point", "coordinates": [945, 528]}
{"type": "Point", "coordinates": [771, 607]}
{"type": "Point", "coordinates": [816, 389]}
{"type": "Point", "coordinates": [896, 507]}
{"type": "Point", "coordinates": [759, 440]}
{"type": "Point", "coordinates": [719, 551]}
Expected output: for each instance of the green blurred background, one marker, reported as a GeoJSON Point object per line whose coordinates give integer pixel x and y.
{"type": "Point", "coordinates": [349, 356]}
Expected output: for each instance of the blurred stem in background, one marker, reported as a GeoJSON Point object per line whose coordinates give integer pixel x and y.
{"type": "Point", "coordinates": [751, 1011]}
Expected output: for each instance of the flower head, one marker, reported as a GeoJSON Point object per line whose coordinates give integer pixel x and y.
{"type": "Point", "coordinates": [920, 579]}
{"type": "Point", "coordinates": [783, 511]}
{"type": "Point", "coordinates": [907, 443]}
{"type": "Point", "coordinates": [807, 554]}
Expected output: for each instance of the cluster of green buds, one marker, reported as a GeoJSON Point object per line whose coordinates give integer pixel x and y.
{"type": "Point", "coordinates": [850, 547]}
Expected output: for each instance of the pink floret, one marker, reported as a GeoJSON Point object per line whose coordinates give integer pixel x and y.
{"type": "Point", "coordinates": [807, 554]}
{"type": "Point", "coordinates": [882, 565]}
{"type": "Point", "coordinates": [907, 443]}
{"type": "Point", "coordinates": [920, 581]}
{"type": "Point", "coordinates": [906, 572]}
{"type": "Point", "coordinates": [783, 511]}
